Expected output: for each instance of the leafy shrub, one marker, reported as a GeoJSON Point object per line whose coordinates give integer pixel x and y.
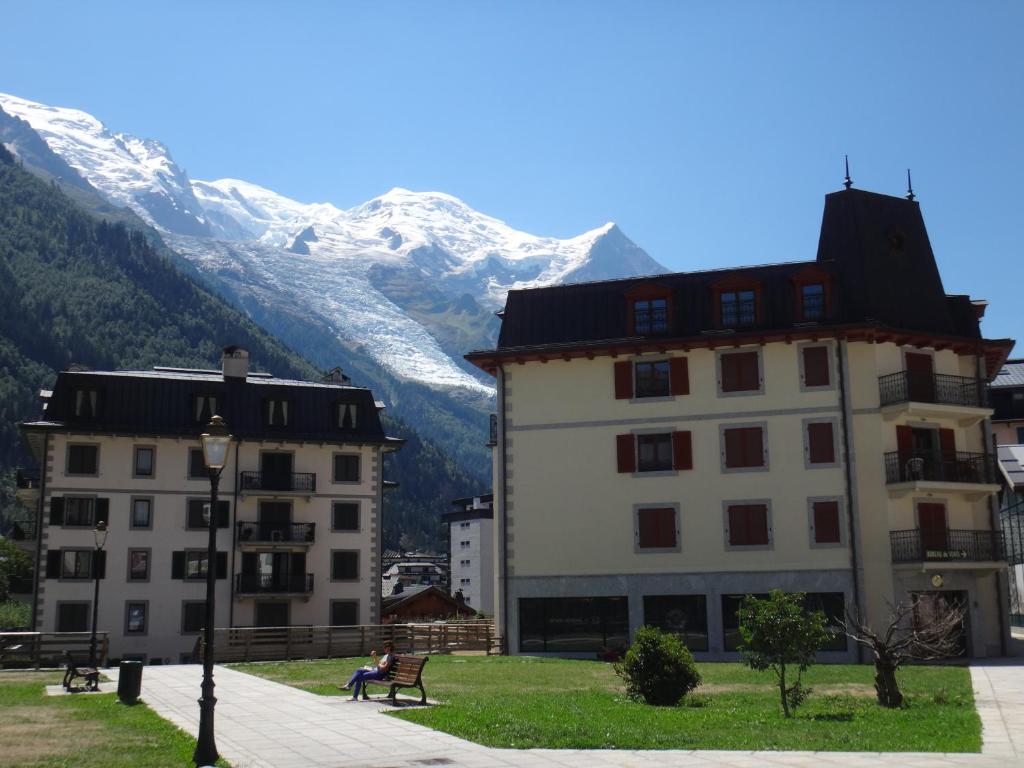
{"type": "Point", "coordinates": [14, 615]}
{"type": "Point", "coordinates": [658, 669]}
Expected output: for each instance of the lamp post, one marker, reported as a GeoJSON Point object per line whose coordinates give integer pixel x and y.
{"type": "Point", "coordinates": [99, 534]}
{"type": "Point", "coordinates": [215, 441]}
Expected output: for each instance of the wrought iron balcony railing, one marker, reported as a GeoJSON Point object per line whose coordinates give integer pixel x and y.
{"type": "Point", "coordinates": [950, 467]}
{"type": "Point", "coordinates": [945, 545]}
{"type": "Point", "coordinates": [295, 482]}
{"type": "Point", "coordinates": [253, 532]}
{"type": "Point", "coordinates": [260, 583]}
{"type": "Point", "coordinates": [904, 386]}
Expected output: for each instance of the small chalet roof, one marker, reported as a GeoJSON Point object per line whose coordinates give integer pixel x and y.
{"type": "Point", "coordinates": [1010, 375]}
{"type": "Point", "coordinates": [1011, 463]}
{"type": "Point", "coordinates": [391, 603]}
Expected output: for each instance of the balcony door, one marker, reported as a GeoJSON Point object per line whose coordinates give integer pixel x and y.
{"type": "Point", "coordinates": [275, 571]}
{"type": "Point", "coordinates": [920, 377]}
{"type": "Point", "coordinates": [276, 471]}
{"type": "Point", "coordinates": [275, 518]}
{"type": "Point", "coordinates": [931, 519]}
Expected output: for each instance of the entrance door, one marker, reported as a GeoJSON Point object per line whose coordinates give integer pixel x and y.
{"type": "Point", "coordinates": [932, 522]}
{"type": "Point", "coordinates": [920, 377]}
{"type": "Point", "coordinates": [275, 518]}
{"type": "Point", "coordinates": [276, 471]}
{"type": "Point", "coordinates": [271, 614]}
{"type": "Point", "coordinates": [941, 601]}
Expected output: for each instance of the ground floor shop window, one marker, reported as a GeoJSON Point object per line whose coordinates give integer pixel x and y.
{"type": "Point", "coordinates": [682, 615]}
{"type": "Point", "coordinates": [573, 624]}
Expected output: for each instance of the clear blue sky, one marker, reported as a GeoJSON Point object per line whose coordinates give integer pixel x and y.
{"type": "Point", "coordinates": [709, 131]}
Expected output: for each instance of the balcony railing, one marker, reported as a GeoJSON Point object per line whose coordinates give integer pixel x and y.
{"type": "Point", "coordinates": [949, 545]}
{"type": "Point", "coordinates": [295, 482]}
{"type": "Point", "coordinates": [904, 386]}
{"type": "Point", "coordinates": [256, 532]}
{"type": "Point", "coordinates": [950, 467]}
{"type": "Point", "coordinates": [262, 583]}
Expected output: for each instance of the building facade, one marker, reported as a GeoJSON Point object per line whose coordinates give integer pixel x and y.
{"type": "Point", "coordinates": [667, 445]}
{"type": "Point", "coordinates": [298, 512]}
{"type": "Point", "coordinates": [471, 542]}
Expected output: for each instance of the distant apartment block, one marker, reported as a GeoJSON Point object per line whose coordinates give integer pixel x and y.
{"type": "Point", "coordinates": [298, 515]}
{"type": "Point", "coordinates": [471, 538]}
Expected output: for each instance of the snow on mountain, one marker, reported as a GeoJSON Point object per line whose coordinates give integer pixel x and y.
{"type": "Point", "coordinates": [362, 272]}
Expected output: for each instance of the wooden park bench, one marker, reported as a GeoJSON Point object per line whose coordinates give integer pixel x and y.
{"type": "Point", "coordinates": [406, 672]}
{"type": "Point", "coordinates": [91, 675]}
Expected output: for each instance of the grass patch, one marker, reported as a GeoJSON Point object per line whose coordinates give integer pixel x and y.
{"type": "Point", "coordinates": [82, 731]}
{"type": "Point", "coordinates": [522, 702]}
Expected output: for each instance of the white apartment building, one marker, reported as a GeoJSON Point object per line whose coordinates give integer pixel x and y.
{"type": "Point", "coordinates": [298, 511]}
{"type": "Point", "coordinates": [471, 542]}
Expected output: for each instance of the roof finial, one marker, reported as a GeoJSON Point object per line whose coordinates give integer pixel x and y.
{"type": "Point", "coordinates": [847, 183]}
{"type": "Point", "coordinates": [910, 187]}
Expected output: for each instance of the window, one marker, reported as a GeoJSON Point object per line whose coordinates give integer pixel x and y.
{"type": "Point", "coordinates": [833, 605]}
{"type": "Point", "coordinates": [463, 582]}
{"type": "Point", "coordinates": [812, 301]}
{"type": "Point", "coordinates": [463, 526]}
{"type": "Point", "coordinates": [815, 368]}
{"type": "Point", "coordinates": [730, 621]}
{"type": "Point", "coordinates": [743, 447]}
{"type": "Point", "coordinates": [464, 563]}
{"type": "Point", "coordinates": [144, 464]}
{"type": "Point", "coordinates": [344, 613]}
{"type": "Point", "coordinates": [191, 564]}
{"type": "Point", "coordinates": [76, 563]}
{"type": "Point", "coordinates": [138, 564]}
{"type": "Point", "coordinates": [738, 308]}
{"type": "Point", "coordinates": [73, 617]}
{"type": "Point", "coordinates": [683, 615]}
{"type": "Point", "coordinates": [652, 378]}
{"type": "Point", "coordinates": [654, 452]}
{"type": "Point", "coordinates": [142, 513]}
{"type": "Point", "coordinates": [197, 465]}
{"type": "Point", "coordinates": [463, 545]}
{"type": "Point", "coordinates": [86, 403]}
{"type": "Point", "coordinates": [748, 524]}
{"type": "Point", "coordinates": [135, 618]}
{"type": "Point", "coordinates": [346, 415]}
{"type": "Point", "coordinates": [826, 527]}
{"type": "Point", "coordinates": [204, 408]}
{"type": "Point", "coordinates": [650, 316]}
{"type": "Point", "coordinates": [345, 565]}
{"type": "Point", "coordinates": [656, 528]}
{"type": "Point", "coordinates": [83, 460]}
{"type": "Point", "coordinates": [198, 513]}
{"type": "Point", "coordinates": [819, 443]}
{"type": "Point", "coordinates": [79, 511]}
{"type": "Point", "coordinates": [739, 372]}
{"type": "Point", "coordinates": [345, 516]}
{"type": "Point", "coordinates": [275, 412]}
{"type": "Point", "coordinates": [193, 616]}
{"type": "Point", "coordinates": [346, 467]}
{"type": "Point", "coordinates": [573, 624]}
{"type": "Point", "coordinates": [1020, 435]}
{"type": "Point", "coordinates": [196, 564]}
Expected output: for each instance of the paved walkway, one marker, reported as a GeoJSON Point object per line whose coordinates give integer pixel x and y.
{"type": "Point", "coordinates": [261, 724]}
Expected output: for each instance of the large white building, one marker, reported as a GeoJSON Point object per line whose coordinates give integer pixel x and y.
{"type": "Point", "coordinates": [471, 541]}
{"type": "Point", "coordinates": [298, 513]}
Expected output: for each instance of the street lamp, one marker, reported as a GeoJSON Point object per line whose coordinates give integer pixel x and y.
{"type": "Point", "coordinates": [99, 534]}
{"type": "Point", "coordinates": [215, 441]}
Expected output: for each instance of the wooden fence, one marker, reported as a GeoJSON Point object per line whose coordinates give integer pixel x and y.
{"type": "Point", "coordinates": [38, 649]}
{"type": "Point", "coordinates": [285, 643]}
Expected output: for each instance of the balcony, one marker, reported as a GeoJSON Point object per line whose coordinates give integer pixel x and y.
{"type": "Point", "coordinates": [300, 483]}
{"type": "Point", "coordinates": [972, 474]}
{"type": "Point", "coordinates": [27, 488]}
{"type": "Point", "coordinates": [250, 532]}
{"type": "Point", "coordinates": [933, 395]}
{"type": "Point", "coordinates": [273, 583]}
{"type": "Point", "coordinates": [949, 547]}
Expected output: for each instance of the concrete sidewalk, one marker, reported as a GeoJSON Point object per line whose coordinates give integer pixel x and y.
{"type": "Point", "coordinates": [262, 724]}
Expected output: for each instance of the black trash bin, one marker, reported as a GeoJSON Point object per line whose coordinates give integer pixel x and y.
{"type": "Point", "coordinates": [129, 681]}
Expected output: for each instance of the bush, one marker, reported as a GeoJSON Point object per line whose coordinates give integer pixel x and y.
{"type": "Point", "coordinates": [14, 616]}
{"type": "Point", "coordinates": [658, 669]}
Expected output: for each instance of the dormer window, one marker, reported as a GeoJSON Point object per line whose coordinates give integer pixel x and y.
{"type": "Point", "coordinates": [812, 294]}
{"type": "Point", "coordinates": [650, 310]}
{"type": "Point", "coordinates": [87, 403]}
{"type": "Point", "coordinates": [812, 301]}
{"type": "Point", "coordinates": [738, 308]}
{"type": "Point", "coordinates": [346, 415]}
{"type": "Point", "coordinates": [204, 408]}
{"type": "Point", "coordinates": [275, 412]}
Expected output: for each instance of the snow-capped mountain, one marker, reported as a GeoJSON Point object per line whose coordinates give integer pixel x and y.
{"type": "Point", "coordinates": [411, 277]}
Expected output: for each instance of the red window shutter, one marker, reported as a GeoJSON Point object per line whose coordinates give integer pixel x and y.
{"type": "Point", "coordinates": [820, 444]}
{"type": "Point", "coordinates": [657, 527]}
{"type": "Point", "coordinates": [753, 447]}
{"type": "Point", "coordinates": [623, 380]}
{"type": "Point", "coordinates": [668, 527]}
{"type": "Point", "coordinates": [740, 372]}
{"type": "Point", "coordinates": [816, 373]}
{"type": "Point", "coordinates": [757, 517]}
{"type": "Point", "coordinates": [730, 373]}
{"type": "Point", "coordinates": [626, 452]}
{"type": "Point", "coordinates": [947, 442]}
{"type": "Point", "coordinates": [904, 443]}
{"type": "Point", "coordinates": [932, 520]}
{"type": "Point", "coordinates": [682, 450]}
{"type": "Point", "coordinates": [826, 522]}
{"type": "Point", "coordinates": [679, 375]}
{"type": "Point", "coordinates": [738, 525]}
{"type": "Point", "coordinates": [733, 448]}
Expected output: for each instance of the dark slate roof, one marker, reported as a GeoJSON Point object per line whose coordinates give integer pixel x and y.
{"type": "Point", "coordinates": [162, 402]}
{"type": "Point", "coordinates": [873, 248]}
{"type": "Point", "coordinates": [391, 603]}
{"type": "Point", "coordinates": [1010, 375]}
{"type": "Point", "coordinates": [1011, 462]}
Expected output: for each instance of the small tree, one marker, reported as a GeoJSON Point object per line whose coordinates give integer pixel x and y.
{"type": "Point", "coordinates": [658, 669]}
{"type": "Point", "coordinates": [924, 628]}
{"type": "Point", "coordinates": [15, 565]}
{"type": "Point", "coordinates": [777, 634]}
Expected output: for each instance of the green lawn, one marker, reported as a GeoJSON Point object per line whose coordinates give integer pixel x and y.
{"type": "Point", "coordinates": [524, 702]}
{"type": "Point", "coordinates": [82, 731]}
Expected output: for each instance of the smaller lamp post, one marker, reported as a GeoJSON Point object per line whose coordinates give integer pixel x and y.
{"type": "Point", "coordinates": [99, 534]}
{"type": "Point", "coordinates": [216, 441]}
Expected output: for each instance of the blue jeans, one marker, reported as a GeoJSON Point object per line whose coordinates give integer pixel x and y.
{"type": "Point", "coordinates": [361, 675]}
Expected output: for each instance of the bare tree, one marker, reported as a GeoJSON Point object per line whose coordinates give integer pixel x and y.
{"type": "Point", "coordinates": [924, 628]}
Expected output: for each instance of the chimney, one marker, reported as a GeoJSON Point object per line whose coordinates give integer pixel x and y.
{"type": "Point", "coordinates": [235, 362]}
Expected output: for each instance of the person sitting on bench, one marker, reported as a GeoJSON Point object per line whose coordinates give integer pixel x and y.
{"type": "Point", "coordinates": [378, 671]}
